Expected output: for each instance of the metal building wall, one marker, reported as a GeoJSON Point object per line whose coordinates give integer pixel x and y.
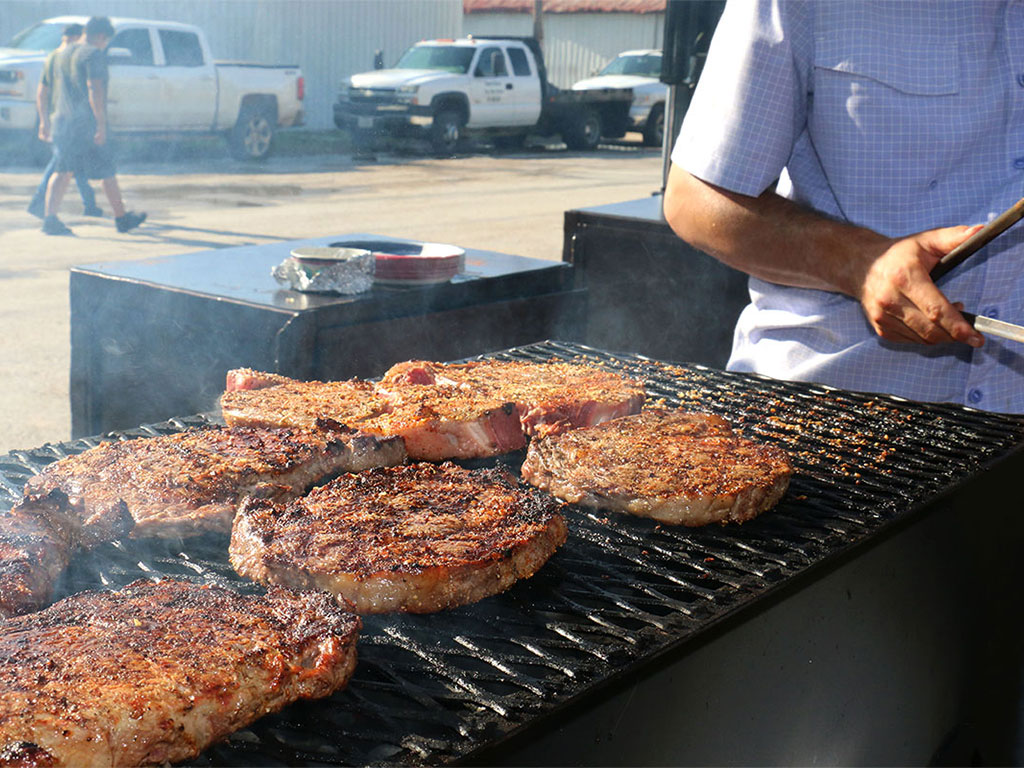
{"type": "Point", "coordinates": [576, 44]}
{"type": "Point", "coordinates": [329, 39]}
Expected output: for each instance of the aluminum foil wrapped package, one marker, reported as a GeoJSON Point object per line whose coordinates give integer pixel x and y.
{"type": "Point", "coordinates": [327, 270]}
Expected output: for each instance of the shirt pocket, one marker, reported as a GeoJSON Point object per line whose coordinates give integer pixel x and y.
{"type": "Point", "coordinates": [905, 61]}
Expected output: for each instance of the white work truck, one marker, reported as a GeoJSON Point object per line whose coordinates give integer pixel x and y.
{"type": "Point", "coordinates": [639, 71]}
{"type": "Point", "coordinates": [495, 85]}
{"type": "Point", "coordinates": [163, 81]}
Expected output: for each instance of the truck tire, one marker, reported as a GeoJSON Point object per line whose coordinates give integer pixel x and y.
{"type": "Point", "coordinates": [654, 129]}
{"type": "Point", "coordinates": [446, 132]}
{"type": "Point", "coordinates": [253, 135]}
{"type": "Point", "coordinates": [584, 131]}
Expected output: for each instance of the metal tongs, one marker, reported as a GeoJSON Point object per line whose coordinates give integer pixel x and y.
{"type": "Point", "coordinates": [969, 247]}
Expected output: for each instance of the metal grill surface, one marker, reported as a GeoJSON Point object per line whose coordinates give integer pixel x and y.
{"type": "Point", "coordinates": [436, 689]}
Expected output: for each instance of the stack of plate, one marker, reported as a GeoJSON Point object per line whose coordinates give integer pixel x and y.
{"type": "Point", "coordinates": [418, 265]}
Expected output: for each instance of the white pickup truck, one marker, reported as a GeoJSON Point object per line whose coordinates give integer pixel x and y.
{"type": "Point", "coordinates": [163, 81]}
{"type": "Point", "coordinates": [640, 71]}
{"type": "Point", "coordinates": [494, 85]}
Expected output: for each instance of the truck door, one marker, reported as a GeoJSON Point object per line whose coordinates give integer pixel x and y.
{"type": "Point", "coordinates": [525, 95]}
{"type": "Point", "coordinates": [189, 81]}
{"type": "Point", "coordinates": [490, 89]}
{"type": "Point", "coordinates": [133, 95]}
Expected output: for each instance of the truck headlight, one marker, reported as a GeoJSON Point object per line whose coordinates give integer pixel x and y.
{"type": "Point", "coordinates": [408, 92]}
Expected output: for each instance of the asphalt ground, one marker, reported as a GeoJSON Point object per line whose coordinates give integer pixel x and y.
{"type": "Point", "coordinates": [197, 198]}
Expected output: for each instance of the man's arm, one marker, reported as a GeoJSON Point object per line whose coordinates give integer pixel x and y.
{"type": "Point", "coordinates": [98, 102]}
{"type": "Point", "coordinates": [43, 108]}
{"type": "Point", "coordinates": [777, 240]}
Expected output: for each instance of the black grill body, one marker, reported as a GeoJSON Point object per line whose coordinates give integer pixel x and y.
{"type": "Point", "coordinates": [635, 636]}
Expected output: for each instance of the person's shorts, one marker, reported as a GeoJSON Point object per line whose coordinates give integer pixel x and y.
{"type": "Point", "coordinates": [76, 151]}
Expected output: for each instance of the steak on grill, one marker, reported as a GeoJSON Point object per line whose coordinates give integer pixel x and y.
{"type": "Point", "coordinates": [189, 482]}
{"type": "Point", "coordinates": [442, 411]}
{"type": "Point", "coordinates": [157, 671]}
{"type": "Point", "coordinates": [670, 465]}
{"type": "Point", "coordinates": [171, 485]}
{"type": "Point", "coordinates": [416, 538]}
{"type": "Point", "coordinates": [550, 397]}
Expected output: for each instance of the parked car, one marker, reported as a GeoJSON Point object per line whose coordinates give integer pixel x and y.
{"type": "Point", "coordinates": [639, 71]}
{"type": "Point", "coordinates": [163, 81]}
{"type": "Point", "coordinates": [496, 86]}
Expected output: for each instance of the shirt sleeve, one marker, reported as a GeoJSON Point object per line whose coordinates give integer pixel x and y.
{"type": "Point", "coordinates": [96, 66]}
{"type": "Point", "coordinates": [750, 104]}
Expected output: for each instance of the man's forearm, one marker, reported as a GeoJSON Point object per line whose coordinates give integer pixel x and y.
{"type": "Point", "coordinates": [770, 237]}
{"type": "Point", "coordinates": [43, 104]}
{"type": "Point", "coordinates": [98, 103]}
{"type": "Point", "coordinates": [777, 240]}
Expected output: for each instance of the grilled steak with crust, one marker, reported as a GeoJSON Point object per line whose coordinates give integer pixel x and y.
{"type": "Point", "coordinates": [550, 397]}
{"type": "Point", "coordinates": [673, 466]}
{"type": "Point", "coordinates": [172, 485]}
{"type": "Point", "coordinates": [36, 541]}
{"type": "Point", "coordinates": [157, 671]}
{"type": "Point", "coordinates": [442, 411]}
{"type": "Point", "coordinates": [416, 538]}
{"type": "Point", "coordinates": [190, 482]}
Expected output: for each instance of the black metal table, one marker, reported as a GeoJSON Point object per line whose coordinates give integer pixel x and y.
{"type": "Point", "coordinates": [865, 620]}
{"type": "Point", "coordinates": [152, 339]}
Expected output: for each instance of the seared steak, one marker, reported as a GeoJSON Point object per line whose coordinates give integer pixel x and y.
{"type": "Point", "coordinates": [673, 466]}
{"type": "Point", "coordinates": [416, 538]}
{"type": "Point", "coordinates": [442, 411]}
{"type": "Point", "coordinates": [157, 671]}
{"type": "Point", "coordinates": [172, 485]}
{"type": "Point", "coordinates": [189, 482]}
{"type": "Point", "coordinates": [550, 397]}
{"type": "Point", "coordinates": [282, 402]}
{"type": "Point", "coordinates": [36, 541]}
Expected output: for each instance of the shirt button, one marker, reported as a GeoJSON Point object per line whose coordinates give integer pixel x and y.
{"type": "Point", "coordinates": [1020, 79]}
{"type": "Point", "coordinates": [974, 396]}
{"type": "Point", "coordinates": [992, 312]}
{"type": "Point", "coordinates": [1019, 162]}
{"type": "Point", "coordinates": [933, 184]}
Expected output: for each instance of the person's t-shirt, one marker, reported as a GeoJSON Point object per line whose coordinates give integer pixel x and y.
{"type": "Point", "coordinates": [70, 73]}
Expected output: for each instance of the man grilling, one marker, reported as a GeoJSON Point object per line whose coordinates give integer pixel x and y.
{"type": "Point", "coordinates": [887, 125]}
{"type": "Point", "coordinates": [79, 119]}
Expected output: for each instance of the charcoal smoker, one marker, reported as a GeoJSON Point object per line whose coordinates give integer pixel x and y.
{"type": "Point", "coordinates": [868, 619]}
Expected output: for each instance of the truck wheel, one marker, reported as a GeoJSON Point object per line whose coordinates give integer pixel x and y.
{"type": "Point", "coordinates": [446, 132]}
{"type": "Point", "coordinates": [654, 129]}
{"type": "Point", "coordinates": [253, 134]}
{"type": "Point", "coordinates": [584, 132]}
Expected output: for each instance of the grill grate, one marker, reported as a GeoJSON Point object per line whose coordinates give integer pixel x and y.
{"type": "Point", "coordinates": [437, 688]}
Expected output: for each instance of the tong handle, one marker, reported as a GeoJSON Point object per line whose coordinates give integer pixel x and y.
{"type": "Point", "coordinates": [982, 237]}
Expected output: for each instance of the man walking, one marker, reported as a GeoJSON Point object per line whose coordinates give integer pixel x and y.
{"type": "Point", "coordinates": [80, 80]}
{"type": "Point", "coordinates": [37, 207]}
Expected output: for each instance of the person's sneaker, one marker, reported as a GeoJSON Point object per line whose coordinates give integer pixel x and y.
{"type": "Point", "coordinates": [129, 221]}
{"type": "Point", "coordinates": [54, 226]}
{"type": "Point", "coordinates": [93, 211]}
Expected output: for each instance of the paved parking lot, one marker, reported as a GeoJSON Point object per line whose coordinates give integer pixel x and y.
{"type": "Point", "coordinates": [513, 203]}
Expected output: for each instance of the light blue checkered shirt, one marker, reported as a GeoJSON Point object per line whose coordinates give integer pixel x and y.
{"type": "Point", "coordinates": [897, 116]}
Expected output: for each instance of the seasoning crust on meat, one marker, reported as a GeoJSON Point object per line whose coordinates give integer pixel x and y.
{"type": "Point", "coordinates": [157, 671]}
{"type": "Point", "coordinates": [190, 482]}
{"type": "Point", "coordinates": [416, 538]}
{"type": "Point", "coordinates": [442, 411]}
{"type": "Point", "coordinates": [670, 465]}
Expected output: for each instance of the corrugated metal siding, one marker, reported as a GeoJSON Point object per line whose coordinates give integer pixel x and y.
{"type": "Point", "coordinates": [576, 45]}
{"type": "Point", "coordinates": [329, 39]}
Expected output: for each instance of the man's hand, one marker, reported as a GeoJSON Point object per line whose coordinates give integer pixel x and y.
{"type": "Point", "coordinates": [899, 298]}
{"type": "Point", "coordinates": [100, 137]}
{"type": "Point", "coordinates": [44, 130]}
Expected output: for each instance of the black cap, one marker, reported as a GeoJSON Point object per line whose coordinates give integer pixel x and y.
{"type": "Point", "coordinates": [73, 30]}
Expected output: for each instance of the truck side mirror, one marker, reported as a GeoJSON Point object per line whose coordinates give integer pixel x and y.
{"type": "Point", "coordinates": [378, 59]}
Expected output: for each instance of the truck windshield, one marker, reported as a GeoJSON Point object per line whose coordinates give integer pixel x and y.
{"type": "Point", "coordinates": [453, 58]}
{"type": "Point", "coordinates": [645, 66]}
{"type": "Point", "coordinates": [39, 37]}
